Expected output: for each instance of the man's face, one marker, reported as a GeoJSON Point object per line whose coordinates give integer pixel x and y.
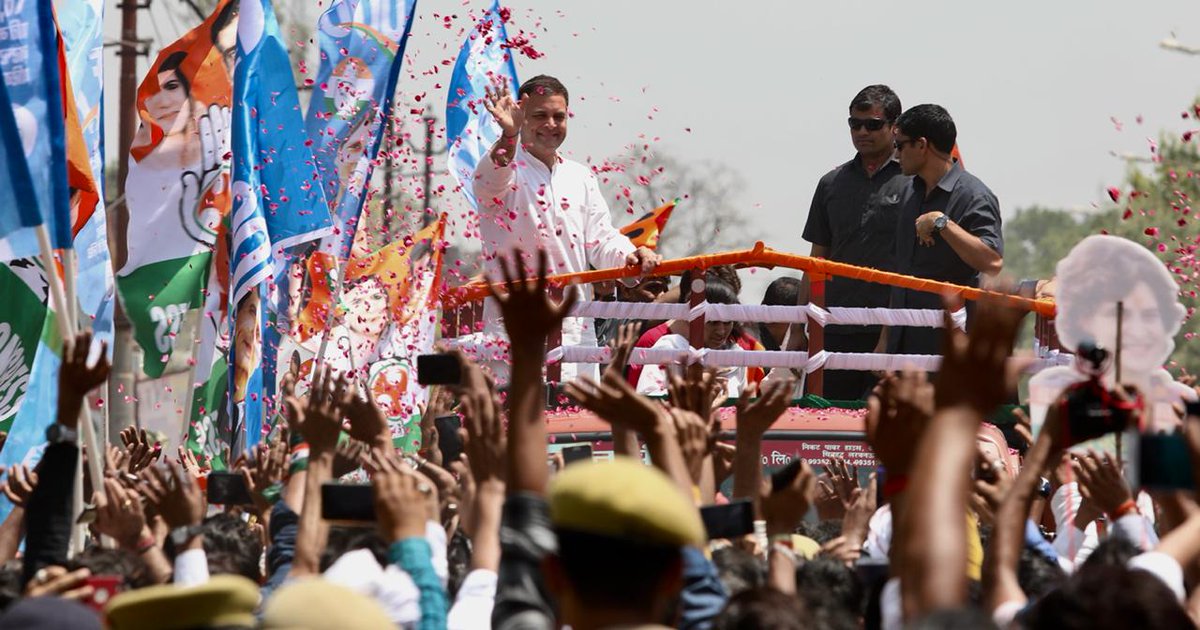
{"type": "Point", "coordinates": [866, 140]}
{"type": "Point", "coordinates": [910, 152]}
{"type": "Point", "coordinates": [545, 123]}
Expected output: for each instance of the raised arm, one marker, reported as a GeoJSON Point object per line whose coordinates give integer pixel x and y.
{"type": "Point", "coordinates": [48, 515]}
{"type": "Point", "coordinates": [975, 377]}
{"type": "Point", "coordinates": [529, 316]}
{"type": "Point", "coordinates": [320, 425]}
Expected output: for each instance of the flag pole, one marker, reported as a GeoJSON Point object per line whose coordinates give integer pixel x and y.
{"type": "Point", "coordinates": [95, 453]}
{"type": "Point", "coordinates": [189, 397]}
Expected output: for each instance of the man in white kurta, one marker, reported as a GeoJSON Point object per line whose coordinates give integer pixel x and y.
{"type": "Point", "coordinates": [531, 198]}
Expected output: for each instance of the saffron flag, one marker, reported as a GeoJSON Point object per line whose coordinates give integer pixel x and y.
{"type": "Point", "coordinates": [645, 231]}
{"type": "Point", "coordinates": [81, 24]}
{"type": "Point", "coordinates": [278, 202]}
{"type": "Point", "coordinates": [484, 61]}
{"type": "Point", "coordinates": [29, 66]}
{"type": "Point", "coordinates": [362, 49]}
{"type": "Point", "coordinates": [177, 191]}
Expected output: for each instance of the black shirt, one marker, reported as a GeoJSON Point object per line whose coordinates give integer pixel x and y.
{"type": "Point", "coordinates": [970, 204]}
{"type": "Point", "coordinates": [854, 214]}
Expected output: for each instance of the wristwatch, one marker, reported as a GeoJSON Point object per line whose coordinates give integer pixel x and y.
{"type": "Point", "coordinates": [61, 434]}
{"type": "Point", "coordinates": [939, 223]}
{"type": "Point", "coordinates": [180, 536]}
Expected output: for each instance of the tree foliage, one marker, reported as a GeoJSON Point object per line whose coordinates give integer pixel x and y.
{"type": "Point", "coordinates": [709, 217]}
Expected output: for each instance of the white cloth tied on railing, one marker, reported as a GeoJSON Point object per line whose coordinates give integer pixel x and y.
{"type": "Point", "coordinates": [851, 361]}
{"type": "Point", "coordinates": [833, 316]}
{"type": "Point", "coordinates": [753, 358]}
{"type": "Point", "coordinates": [631, 310]}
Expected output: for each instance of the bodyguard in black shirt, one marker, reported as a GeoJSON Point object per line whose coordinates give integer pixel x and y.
{"type": "Point", "coordinates": [853, 220]}
{"type": "Point", "coordinates": [949, 226]}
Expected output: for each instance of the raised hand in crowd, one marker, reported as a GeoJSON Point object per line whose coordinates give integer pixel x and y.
{"type": "Point", "coordinates": [898, 411]}
{"type": "Point", "coordinates": [265, 470]}
{"type": "Point", "coordinates": [438, 405]}
{"type": "Point", "coordinates": [19, 485]}
{"type": "Point", "coordinates": [754, 417]}
{"type": "Point", "coordinates": [367, 422]}
{"type": "Point", "coordinates": [783, 509]}
{"type": "Point", "coordinates": [400, 498]}
{"type": "Point", "coordinates": [119, 515]}
{"type": "Point", "coordinates": [857, 510]}
{"type": "Point", "coordinates": [186, 458]}
{"type": "Point", "coordinates": [319, 422]}
{"type": "Point", "coordinates": [57, 581]}
{"type": "Point", "coordinates": [485, 453]}
{"type": "Point", "coordinates": [615, 401]}
{"type": "Point", "coordinates": [723, 457]}
{"type": "Point", "coordinates": [530, 314]}
{"type": "Point", "coordinates": [174, 493]}
{"type": "Point", "coordinates": [701, 392]}
{"type": "Point", "coordinates": [76, 377]}
{"type": "Point", "coordinates": [1101, 482]}
{"type": "Point", "coordinates": [140, 451]}
{"type": "Point", "coordinates": [625, 442]}
{"type": "Point", "coordinates": [693, 433]}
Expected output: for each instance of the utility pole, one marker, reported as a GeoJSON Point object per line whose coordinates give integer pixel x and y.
{"type": "Point", "coordinates": [121, 383]}
{"type": "Point", "coordinates": [427, 171]}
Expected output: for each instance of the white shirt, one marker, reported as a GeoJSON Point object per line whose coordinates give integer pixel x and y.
{"type": "Point", "coordinates": [560, 210]}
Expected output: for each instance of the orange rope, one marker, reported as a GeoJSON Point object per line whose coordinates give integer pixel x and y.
{"type": "Point", "coordinates": [762, 256]}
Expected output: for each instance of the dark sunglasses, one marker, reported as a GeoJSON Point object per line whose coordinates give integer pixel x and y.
{"type": "Point", "coordinates": [899, 144]}
{"type": "Point", "coordinates": [872, 124]}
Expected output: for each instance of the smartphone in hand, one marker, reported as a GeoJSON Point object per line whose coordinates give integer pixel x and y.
{"type": "Point", "coordinates": [228, 488]}
{"type": "Point", "coordinates": [732, 520]}
{"type": "Point", "coordinates": [449, 441]}
{"type": "Point", "coordinates": [438, 369]}
{"type": "Point", "coordinates": [352, 503]}
{"type": "Point", "coordinates": [577, 453]}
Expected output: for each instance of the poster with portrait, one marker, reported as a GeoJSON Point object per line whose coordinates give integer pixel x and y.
{"type": "Point", "coordinates": [178, 189]}
{"type": "Point", "coordinates": [384, 316]}
{"type": "Point", "coordinates": [1115, 293]}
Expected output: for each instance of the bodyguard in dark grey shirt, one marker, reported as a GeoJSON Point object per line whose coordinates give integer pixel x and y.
{"type": "Point", "coordinates": [949, 226]}
{"type": "Point", "coordinates": [853, 220]}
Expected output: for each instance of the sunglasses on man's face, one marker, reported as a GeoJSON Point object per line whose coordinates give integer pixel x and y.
{"type": "Point", "coordinates": [872, 124]}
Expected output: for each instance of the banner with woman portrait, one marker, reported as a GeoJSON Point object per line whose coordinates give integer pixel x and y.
{"type": "Point", "coordinates": [178, 189]}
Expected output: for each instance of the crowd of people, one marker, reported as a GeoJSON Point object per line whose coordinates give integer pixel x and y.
{"type": "Point", "coordinates": [951, 533]}
{"type": "Point", "coordinates": [963, 525]}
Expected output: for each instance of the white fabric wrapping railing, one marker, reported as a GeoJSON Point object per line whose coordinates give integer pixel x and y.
{"type": "Point", "coordinates": [852, 361]}
{"type": "Point", "coordinates": [834, 316]}
{"type": "Point", "coordinates": [923, 318]}
{"type": "Point", "coordinates": [753, 358]}
{"type": "Point", "coordinates": [631, 310]}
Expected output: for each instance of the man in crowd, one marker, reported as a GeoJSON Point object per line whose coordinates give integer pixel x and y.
{"type": "Point", "coordinates": [949, 226]}
{"type": "Point", "coordinates": [531, 197]}
{"type": "Point", "coordinates": [853, 220]}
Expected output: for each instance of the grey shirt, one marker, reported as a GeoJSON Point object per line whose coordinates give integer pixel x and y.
{"type": "Point", "coordinates": [854, 214]}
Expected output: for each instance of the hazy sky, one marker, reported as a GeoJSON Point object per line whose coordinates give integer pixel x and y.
{"type": "Point", "coordinates": [764, 86]}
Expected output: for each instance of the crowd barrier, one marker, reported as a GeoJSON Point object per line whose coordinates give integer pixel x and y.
{"type": "Point", "coordinates": [461, 302]}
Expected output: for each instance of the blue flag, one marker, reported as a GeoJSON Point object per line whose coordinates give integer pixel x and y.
{"type": "Point", "coordinates": [29, 66]}
{"type": "Point", "coordinates": [362, 49]}
{"type": "Point", "coordinates": [82, 30]}
{"type": "Point", "coordinates": [278, 201]}
{"type": "Point", "coordinates": [470, 130]}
